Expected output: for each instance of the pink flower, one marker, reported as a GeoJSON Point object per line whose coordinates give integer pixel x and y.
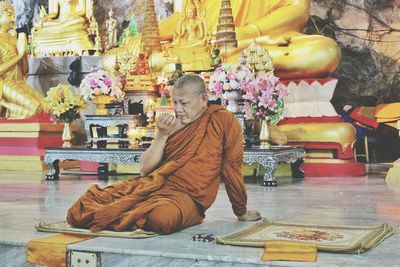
{"type": "Point", "coordinates": [218, 88]}
{"type": "Point", "coordinates": [272, 104]}
{"type": "Point", "coordinates": [264, 99]}
{"type": "Point", "coordinates": [231, 76]}
{"type": "Point", "coordinates": [107, 81]}
{"type": "Point", "coordinates": [93, 83]}
{"type": "Point", "coordinates": [250, 96]}
{"type": "Point", "coordinates": [248, 113]}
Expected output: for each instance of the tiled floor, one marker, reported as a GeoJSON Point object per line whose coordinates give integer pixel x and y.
{"type": "Point", "coordinates": [26, 199]}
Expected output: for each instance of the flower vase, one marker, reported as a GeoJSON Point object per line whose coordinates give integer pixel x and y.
{"type": "Point", "coordinates": [264, 135]}
{"type": "Point", "coordinates": [101, 101]}
{"type": "Point", "coordinates": [232, 97]}
{"type": "Point", "coordinates": [67, 135]}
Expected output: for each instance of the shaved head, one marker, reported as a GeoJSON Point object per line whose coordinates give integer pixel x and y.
{"type": "Point", "coordinates": [191, 83]}
{"type": "Point", "coordinates": [190, 98]}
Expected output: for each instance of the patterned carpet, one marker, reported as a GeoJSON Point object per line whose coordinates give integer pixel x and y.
{"type": "Point", "coordinates": [328, 238]}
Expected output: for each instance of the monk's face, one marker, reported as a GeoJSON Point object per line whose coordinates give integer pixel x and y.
{"type": "Point", "coordinates": [188, 105]}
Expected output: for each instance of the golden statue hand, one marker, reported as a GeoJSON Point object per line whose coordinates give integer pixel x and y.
{"type": "Point", "coordinates": [277, 41]}
{"type": "Point", "coordinates": [50, 16]}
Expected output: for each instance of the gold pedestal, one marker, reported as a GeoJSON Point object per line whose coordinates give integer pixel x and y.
{"type": "Point", "coordinates": [67, 135]}
{"type": "Point", "coordinates": [101, 101]}
{"type": "Point", "coordinates": [264, 135]}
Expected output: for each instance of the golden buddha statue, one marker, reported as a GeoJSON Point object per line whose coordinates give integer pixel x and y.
{"type": "Point", "coordinates": [64, 29]}
{"type": "Point", "coordinates": [191, 27]}
{"type": "Point", "coordinates": [189, 40]}
{"type": "Point", "coordinates": [142, 66]}
{"type": "Point", "coordinates": [17, 99]}
{"type": "Point", "coordinates": [274, 24]}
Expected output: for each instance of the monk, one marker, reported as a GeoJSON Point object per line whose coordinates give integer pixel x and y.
{"type": "Point", "coordinates": [180, 171]}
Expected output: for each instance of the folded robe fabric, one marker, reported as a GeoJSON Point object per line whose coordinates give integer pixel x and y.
{"type": "Point", "coordinates": [289, 251]}
{"type": "Point", "coordinates": [195, 159]}
{"type": "Point", "coordinates": [52, 250]}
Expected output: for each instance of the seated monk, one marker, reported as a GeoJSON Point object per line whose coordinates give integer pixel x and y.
{"type": "Point", "coordinates": [181, 171]}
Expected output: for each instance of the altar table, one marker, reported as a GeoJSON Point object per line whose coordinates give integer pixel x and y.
{"type": "Point", "coordinates": [266, 158]}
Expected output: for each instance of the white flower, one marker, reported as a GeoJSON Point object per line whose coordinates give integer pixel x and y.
{"type": "Point", "coordinates": [234, 85]}
{"type": "Point", "coordinates": [240, 75]}
{"type": "Point", "coordinates": [221, 76]}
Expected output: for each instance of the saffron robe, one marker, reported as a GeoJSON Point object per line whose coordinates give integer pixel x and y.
{"type": "Point", "coordinates": [176, 194]}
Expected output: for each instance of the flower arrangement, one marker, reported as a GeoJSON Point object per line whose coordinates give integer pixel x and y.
{"type": "Point", "coordinates": [228, 77]}
{"type": "Point", "coordinates": [64, 104]}
{"type": "Point", "coordinates": [99, 83]}
{"type": "Point", "coordinates": [262, 100]}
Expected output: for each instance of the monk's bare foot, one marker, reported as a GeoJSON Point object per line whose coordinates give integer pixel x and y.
{"type": "Point", "coordinates": [250, 215]}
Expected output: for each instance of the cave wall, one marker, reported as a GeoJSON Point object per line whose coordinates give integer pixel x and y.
{"type": "Point", "coordinates": [368, 32]}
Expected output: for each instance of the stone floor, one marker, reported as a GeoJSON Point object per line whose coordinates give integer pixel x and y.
{"type": "Point", "coordinates": [26, 199]}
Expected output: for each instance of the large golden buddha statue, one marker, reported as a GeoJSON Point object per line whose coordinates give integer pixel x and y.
{"type": "Point", "coordinates": [17, 99]}
{"type": "Point", "coordinates": [64, 29]}
{"type": "Point", "coordinates": [276, 25]}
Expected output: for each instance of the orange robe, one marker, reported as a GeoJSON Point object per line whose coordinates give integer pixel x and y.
{"type": "Point", "coordinates": [176, 194]}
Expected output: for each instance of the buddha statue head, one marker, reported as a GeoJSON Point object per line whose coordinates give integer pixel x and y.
{"type": "Point", "coordinates": [7, 19]}
{"type": "Point", "coordinates": [191, 12]}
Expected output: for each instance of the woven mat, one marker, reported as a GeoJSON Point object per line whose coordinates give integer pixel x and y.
{"type": "Point", "coordinates": [328, 238]}
{"type": "Point", "coordinates": [64, 227]}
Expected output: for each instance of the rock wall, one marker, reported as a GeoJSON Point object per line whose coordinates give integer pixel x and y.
{"type": "Point", "coordinates": [368, 32]}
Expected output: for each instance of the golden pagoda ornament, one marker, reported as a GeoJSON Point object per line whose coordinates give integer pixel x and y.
{"type": "Point", "coordinates": [257, 59]}
{"type": "Point", "coordinates": [150, 33]}
{"type": "Point", "coordinates": [226, 35]}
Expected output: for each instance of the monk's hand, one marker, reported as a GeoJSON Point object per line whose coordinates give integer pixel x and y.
{"type": "Point", "coordinates": [165, 124]}
{"type": "Point", "coordinates": [250, 215]}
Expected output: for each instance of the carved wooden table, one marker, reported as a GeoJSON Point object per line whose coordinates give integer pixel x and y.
{"type": "Point", "coordinates": [102, 155]}
{"type": "Point", "coordinates": [267, 158]}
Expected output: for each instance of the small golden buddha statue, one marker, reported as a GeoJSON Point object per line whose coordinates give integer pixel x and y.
{"type": "Point", "coordinates": [64, 28]}
{"type": "Point", "coordinates": [276, 25]}
{"type": "Point", "coordinates": [111, 25]}
{"type": "Point", "coordinates": [97, 44]}
{"type": "Point", "coordinates": [191, 28]}
{"type": "Point", "coordinates": [17, 99]}
{"type": "Point", "coordinates": [93, 26]}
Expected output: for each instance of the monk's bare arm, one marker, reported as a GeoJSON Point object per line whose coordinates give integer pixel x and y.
{"type": "Point", "coordinates": [152, 157]}
{"type": "Point", "coordinates": [232, 171]}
